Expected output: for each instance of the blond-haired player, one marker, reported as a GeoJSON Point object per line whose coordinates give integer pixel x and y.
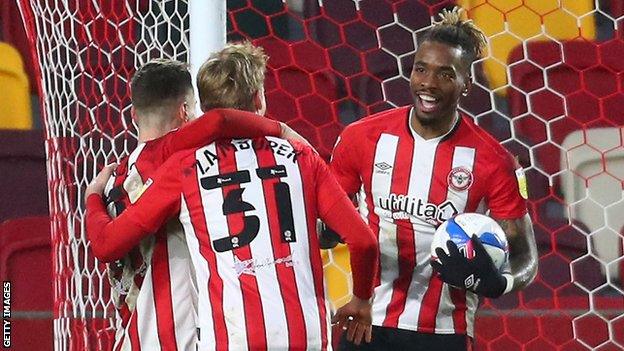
{"type": "Point", "coordinates": [249, 210]}
{"type": "Point", "coordinates": [234, 78]}
{"type": "Point", "coordinates": [152, 284]}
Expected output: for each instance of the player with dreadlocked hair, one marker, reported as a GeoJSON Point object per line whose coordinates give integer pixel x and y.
{"type": "Point", "coordinates": [413, 168]}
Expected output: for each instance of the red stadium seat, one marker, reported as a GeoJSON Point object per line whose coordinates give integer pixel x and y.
{"type": "Point", "coordinates": [581, 84]}
{"type": "Point", "coordinates": [25, 261]}
{"type": "Point", "coordinates": [566, 97]}
{"type": "Point", "coordinates": [23, 169]}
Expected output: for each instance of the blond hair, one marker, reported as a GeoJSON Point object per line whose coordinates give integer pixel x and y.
{"type": "Point", "coordinates": [455, 31]}
{"type": "Point", "coordinates": [231, 77]}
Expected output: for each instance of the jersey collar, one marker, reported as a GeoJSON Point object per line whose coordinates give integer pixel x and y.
{"type": "Point", "coordinates": [442, 137]}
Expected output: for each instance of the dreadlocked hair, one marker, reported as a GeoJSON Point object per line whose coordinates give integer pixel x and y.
{"type": "Point", "coordinates": [454, 31]}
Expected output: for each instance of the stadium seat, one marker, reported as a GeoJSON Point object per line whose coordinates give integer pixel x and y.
{"type": "Point", "coordinates": [525, 21]}
{"type": "Point", "coordinates": [15, 109]}
{"type": "Point", "coordinates": [23, 170]}
{"type": "Point", "coordinates": [25, 261]}
{"type": "Point", "coordinates": [573, 115]}
{"type": "Point", "coordinates": [587, 185]}
{"type": "Point", "coordinates": [586, 79]}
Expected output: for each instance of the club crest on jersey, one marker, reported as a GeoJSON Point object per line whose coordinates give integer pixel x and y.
{"type": "Point", "coordinates": [460, 178]}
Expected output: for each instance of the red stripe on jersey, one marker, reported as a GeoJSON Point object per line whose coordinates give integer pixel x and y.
{"type": "Point", "coordinates": [372, 218]}
{"type": "Point", "coordinates": [405, 235]}
{"type": "Point", "coordinates": [133, 332]}
{"type": "Point", "coordinates": [429, 305]}
{"type": "Point", "coordinates": [459, 313]}
{"type": "Point", "coordinates": [441, 168]}
{"type": "Point", "coordinates": [137, 262]}
{"type": "Point", "coordinates": [437, 194]}
{"type": "Point", "coordinates": [124, 313]}
{"type": "Point", "coordinates": [285, 275]}
{"type": "Point", "coordinates": [252, 303]}
{"type": "Point", "coordinates": [161, 277]}
{"type": "Point", "coordinates": [472, 200]}
{"type": "Point", "coordinates": [315, 257]}
{"type": "Point", "coordinates": [215, 283]}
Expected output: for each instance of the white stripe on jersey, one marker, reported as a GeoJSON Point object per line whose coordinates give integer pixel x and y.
{"type": "Point", "coordinates": [202, 274]}
{"type": "Point", "coordinates": [381, 182]}
{"type": "Point", "coordinates": [182, 280]}
{"type": "Point", "coordinates": [133, 184]}
{"type": "Point", "coordinates": [444, 321]}
{"type": "Point", "coordinates": [276, 328]}
{"type": "Point", "coordinates": [146, 313]}
{"type": "Point", "coordinates": [462, 157]}
{"type": "Point", "coordinates": [300, 251]}
{"type": "Point", "coordinates": [216, 222]}
{"type": "Point", "coordinates": [472, 302]}
{"type": "Point", "coordinates": [122, 336]}
{"type": "Point", "coordinates": [362, 205]}
{"type": "Point", "coordinates": [421, 173]}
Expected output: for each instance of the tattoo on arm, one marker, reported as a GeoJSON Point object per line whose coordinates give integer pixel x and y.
{"type": "Point", "coordinates": [523, 256]}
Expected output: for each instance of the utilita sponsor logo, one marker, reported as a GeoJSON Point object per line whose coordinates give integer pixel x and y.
{"type": "Point", "coordinates": [403, 206]}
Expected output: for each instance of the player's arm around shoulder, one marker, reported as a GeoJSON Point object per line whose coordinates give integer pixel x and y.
{"type": "Point", "coordinates": [111, 239]}
{"type": "Point", "coordinates": [225, 123]}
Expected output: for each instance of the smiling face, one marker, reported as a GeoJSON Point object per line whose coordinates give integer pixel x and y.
{"type": "Point", "coordinates": [439, 77]}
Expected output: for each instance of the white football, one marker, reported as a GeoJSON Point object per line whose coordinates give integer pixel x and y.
{"type": "Point", "coordinates": [460, 228]}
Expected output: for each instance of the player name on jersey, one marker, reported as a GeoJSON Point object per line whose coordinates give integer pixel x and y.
{"type": "Point", "coordinates": [279, 148]}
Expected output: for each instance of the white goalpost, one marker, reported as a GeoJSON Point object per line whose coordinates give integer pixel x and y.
{"type": "Point", "coordinates": [550, 89]}
{"type": "Point", "coordinates": [86, 53]}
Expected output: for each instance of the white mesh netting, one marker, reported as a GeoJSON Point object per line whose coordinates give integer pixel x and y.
{"type": "Point", "coordinates": [550, 89]}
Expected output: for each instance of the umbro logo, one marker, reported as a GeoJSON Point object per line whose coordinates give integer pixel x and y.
{"type": "Point", "coordinates": [382, 167]}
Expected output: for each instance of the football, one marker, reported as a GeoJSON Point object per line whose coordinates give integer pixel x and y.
{"type": "Point", "coordinates": [460, 228]}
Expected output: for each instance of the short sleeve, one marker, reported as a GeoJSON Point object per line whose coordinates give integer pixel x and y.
{"type": "Point", "coordinates": [328, 191]}
{"type": "Point", "coordinates": [504, 198]}
{"type": "Point", "coordinates": [344, 162]}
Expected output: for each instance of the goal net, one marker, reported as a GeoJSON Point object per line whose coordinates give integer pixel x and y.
{"type": "Point", "coordinates": [550, 89]}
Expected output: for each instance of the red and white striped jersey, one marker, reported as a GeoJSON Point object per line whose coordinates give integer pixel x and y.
{"type": "Point", "coordinates": [268, 294]}
{"type": "Point", "coordinates": [249, 210]}
{"type": "Point", "coordinates": [153, 285]}
{"type": "Point", "coordinates": [157, 274]}
{"type": "Point", "coordinates": [406, 187]}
